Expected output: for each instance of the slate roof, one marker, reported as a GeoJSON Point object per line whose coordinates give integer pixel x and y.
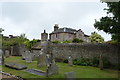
{"type": "Point", "coordinates": [66, 30]}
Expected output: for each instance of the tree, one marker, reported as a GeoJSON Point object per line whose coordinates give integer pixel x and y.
{"type": "Point", "coordinates": [111, 23]}
{"type": "Point", "coordinates": [7, 42]}
{"type": "Point", "coordinates": [1, 30]}
{"type": "Point", "coordinates": [31, 43]}
{"type": "Point", "coordinates": [96, 38]}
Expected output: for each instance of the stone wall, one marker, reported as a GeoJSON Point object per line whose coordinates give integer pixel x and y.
{"type": "Point", "coordinates": [86, 50]}
{"type": "Point", "coordinates": [62, 36]}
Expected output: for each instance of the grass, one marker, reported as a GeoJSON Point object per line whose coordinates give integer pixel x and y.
{"type": "Point", "coordinates": [80, 71]}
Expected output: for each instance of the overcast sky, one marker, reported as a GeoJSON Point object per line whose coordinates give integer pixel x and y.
{"type": "Point", "coordinates": [32, 18]}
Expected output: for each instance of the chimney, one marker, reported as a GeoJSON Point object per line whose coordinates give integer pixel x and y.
{"type": "Point", "coordinates": [56, 27]}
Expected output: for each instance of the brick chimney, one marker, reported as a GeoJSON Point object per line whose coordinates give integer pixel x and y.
{"type": "Point", "coordinates": [56, 27]}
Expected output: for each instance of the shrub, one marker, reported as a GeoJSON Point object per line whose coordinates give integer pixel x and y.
{"type": "Point", "coordinates": [66, 41]}
{"type": "Point", "coordinates": [106, 63]}
{"type": "Point", "coordinates": [82, 61]}
{"type": "Point", "coordinates": [56, 42]}
{"type": "Point", "coordinates": [76, 40]}
{"type": "Point", "coordinates": [65, 61]}
{"type": "Point", "coordinates": [95, 61]}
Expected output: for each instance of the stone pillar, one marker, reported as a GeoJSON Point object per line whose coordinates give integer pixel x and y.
{"type": "Point", "coordinates": [101, 62]}
{"type": "Point", "coordinates": [1, 57]}
{"type": "Point", "coordinates": [70, 61]}
{"type": "Point", "coordinates": [11, 50]}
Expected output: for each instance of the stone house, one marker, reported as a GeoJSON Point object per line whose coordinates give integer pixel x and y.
{"type": "Point", "coordinates": [63, 34]}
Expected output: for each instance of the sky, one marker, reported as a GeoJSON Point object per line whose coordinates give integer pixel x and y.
{"type": "Point", "coordinates": [32, 18]}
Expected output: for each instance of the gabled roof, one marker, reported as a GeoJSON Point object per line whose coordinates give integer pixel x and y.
{"type": "Point", "coordinates": [64, 30]}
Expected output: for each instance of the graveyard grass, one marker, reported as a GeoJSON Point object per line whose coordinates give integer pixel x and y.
{"type": "Point", "coordinates": [80, 71]}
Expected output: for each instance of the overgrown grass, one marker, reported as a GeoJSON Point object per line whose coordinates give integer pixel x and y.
{"type": "Point", "coordinates": [80, 71]}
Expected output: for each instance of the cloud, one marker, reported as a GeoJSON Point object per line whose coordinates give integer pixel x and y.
{"type": "Point", "coordinates": [32, 18]}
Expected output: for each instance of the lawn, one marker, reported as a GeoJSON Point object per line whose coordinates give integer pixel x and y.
{"type": "Point", "coordinates": [80, 71]}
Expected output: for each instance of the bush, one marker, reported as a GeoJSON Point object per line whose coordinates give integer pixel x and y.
{"type": "Point", "coordinates": [82, 61]}
{"type": "Point", "coordinates": [95, 61]}
{"type": "Point", "coordinates": [65, 61]}
{"type": "Point", "coordinates": [106, 63]}
{"type": "Point", "coordinates": [56, 42]}
{"type": "Point", "coordinates": [66, 41]}
{"type": "Point", "coordinates": [76, 40]}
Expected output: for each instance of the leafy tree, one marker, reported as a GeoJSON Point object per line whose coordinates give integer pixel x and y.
{"type": "Point", "coordinates": [111, 23]}
{"type": "Point", "coordinates": [1, 30]}
{"type": "Point", "coordinates": [31, 43]}
{"type": "Point", "coordinates": [76, 40]}
{"type": "Point", "coordinates": [96, 38]}
{"type": "Point", "coordinates": [7, 42]}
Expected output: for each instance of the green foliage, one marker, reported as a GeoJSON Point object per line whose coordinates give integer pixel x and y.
{"type": "Point", "coordinates": [111, 24]}
{"type": "Point", "coordinates": [29, 44]}
{"type": "Point", "coordinates": [56, 42]}
{"type": "Point", "coordinates": [1, 30]}
{"type": "Point", "coordinates": [84, 71]}
{"type": "Point", "coordinates": [106, 63]}
{"type": "Point", "coordinates": [76, 40]}
{"type": "Point", "coordinates": [91, 62]}
{"type": "Point", "coordinates": [66, 41]}
{"type": "Point", "coordinates": [7, 42]}
{"type": "Point", "coordinates": [96, 38]}
{"type": "Point", "coordinates": [65, 61]}
{"type": "Point", "coordinates": [112, 42]}
{"type": "Point", "coordinates": [82, 61]}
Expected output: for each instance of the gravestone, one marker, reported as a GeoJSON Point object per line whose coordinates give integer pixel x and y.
{"type": "Point", "coordinates": [42, 60]}
{"type": "Point", "coordinates": [70, 75]}
{"type": "Point", "coordinates": [35, 71]}
{"type": "Point", "coordinates": [15, 66]}
{"type": "Point", "coordinates": [28, 56]}
{"type": "Point", "coordinates": [101, 62]}
{"type": "Point", "coordinates": [70, 61]}
{"type": "Point", "coordinates": [52, 69]}
{"type": "Point", "coordinates": [1, 57]}
{"type": "Point", "coordinates": [23, 55]}
{"type": "Point", "coordinates": [48, 60]}
{"type": "Point", "coordinates": [7, 53]}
